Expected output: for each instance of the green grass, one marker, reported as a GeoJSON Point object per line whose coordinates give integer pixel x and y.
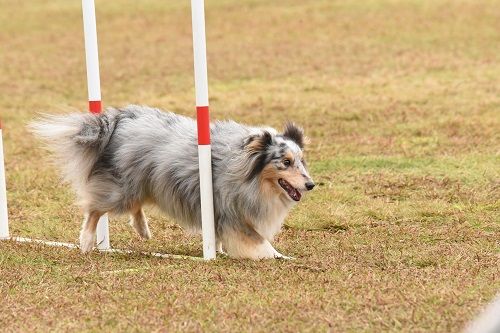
{"type": "Point", "coordinates": [400, 100]}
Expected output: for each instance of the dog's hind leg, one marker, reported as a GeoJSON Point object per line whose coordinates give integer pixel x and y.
{"type": "Point", "coordinates": [87, 234]}
{"type": "Point", "coordinates": [139, 221]}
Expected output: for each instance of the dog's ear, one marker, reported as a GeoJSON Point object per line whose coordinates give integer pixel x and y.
{"type": "Point", "coordinates": [256, 145]}
{"type": "Point", "coordinates": [295, 133]}
{"type": "Point", "coordinates": [258, 142]}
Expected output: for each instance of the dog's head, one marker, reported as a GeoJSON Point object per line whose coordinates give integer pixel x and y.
{"type": "Point", "coordinates": [278, 160]}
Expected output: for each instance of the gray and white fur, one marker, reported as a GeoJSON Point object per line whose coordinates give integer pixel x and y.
{"type": "Point", "coordinates": [125, 158]}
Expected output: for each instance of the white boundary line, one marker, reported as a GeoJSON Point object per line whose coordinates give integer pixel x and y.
{"type": "Point", "coordinates": [119, 251]}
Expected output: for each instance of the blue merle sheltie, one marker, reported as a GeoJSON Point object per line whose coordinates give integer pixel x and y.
{"type": "Point", "coordinates": [123, 159]}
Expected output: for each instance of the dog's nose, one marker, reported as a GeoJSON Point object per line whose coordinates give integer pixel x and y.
{"type": "Point", "coordinates": [310, 185]}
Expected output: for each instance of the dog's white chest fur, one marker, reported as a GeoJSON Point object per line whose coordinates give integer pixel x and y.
{"type": "Point", "coordinates": [271, 224]}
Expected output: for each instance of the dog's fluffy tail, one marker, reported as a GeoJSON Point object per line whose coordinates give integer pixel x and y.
{"type": "Point", "coordinates": [77, 140]}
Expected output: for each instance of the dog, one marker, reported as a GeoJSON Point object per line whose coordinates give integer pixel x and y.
{"type": "Point", "coordinates": [122, 159]}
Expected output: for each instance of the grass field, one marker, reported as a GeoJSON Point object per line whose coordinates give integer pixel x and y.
{"type": "Point", "coordinates": [401, 101]}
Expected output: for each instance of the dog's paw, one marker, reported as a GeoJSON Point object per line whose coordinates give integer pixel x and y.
{"type": "Point", "coordinates": [145, 233]}
{"type": "Point", "coordinates": [221, 251]}
{"type": "Point", "coordinates": [223, 255]}
{"type": "Point", "coordinates": [87, 241]}
{"type": "Point", "coordinates": [219, 248]}
{"type": "Point", "coordinates": [279, 256]}
{"type": "Point", "coordinates": [141, 227]}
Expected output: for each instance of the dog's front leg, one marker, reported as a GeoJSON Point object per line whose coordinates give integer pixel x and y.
{"type": "Point", "coordinates": [242, 241]}
{"type": "Point", "coordinates": [219, 248]}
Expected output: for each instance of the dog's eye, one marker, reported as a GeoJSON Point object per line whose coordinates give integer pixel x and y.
{"type": "Point", "coordinates": [287, 162]}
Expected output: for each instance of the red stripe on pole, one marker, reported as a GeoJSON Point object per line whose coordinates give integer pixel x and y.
{"type": "Point", "coordinates": [203, 119]}
{"type": "Point", "coordinates": [95, 106]}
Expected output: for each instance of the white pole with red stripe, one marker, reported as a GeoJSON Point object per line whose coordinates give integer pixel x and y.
{"type": "Point", "coordinates": [94, 90]}
{"type": "Point", "coordinates": [203, 119]}
{"type": "Point", "coordinates": [4, 216]}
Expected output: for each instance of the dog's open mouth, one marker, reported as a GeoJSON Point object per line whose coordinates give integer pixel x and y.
{"type": "Point", "coordinates": [292, 191]}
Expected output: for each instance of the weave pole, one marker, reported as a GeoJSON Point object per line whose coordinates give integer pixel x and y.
{"type": "Point", "coordinates": [4, 216]}
{"type": "Point", "coordinates": [203, 120]}
{"type": "Point", "coordinates": [94, 91]}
